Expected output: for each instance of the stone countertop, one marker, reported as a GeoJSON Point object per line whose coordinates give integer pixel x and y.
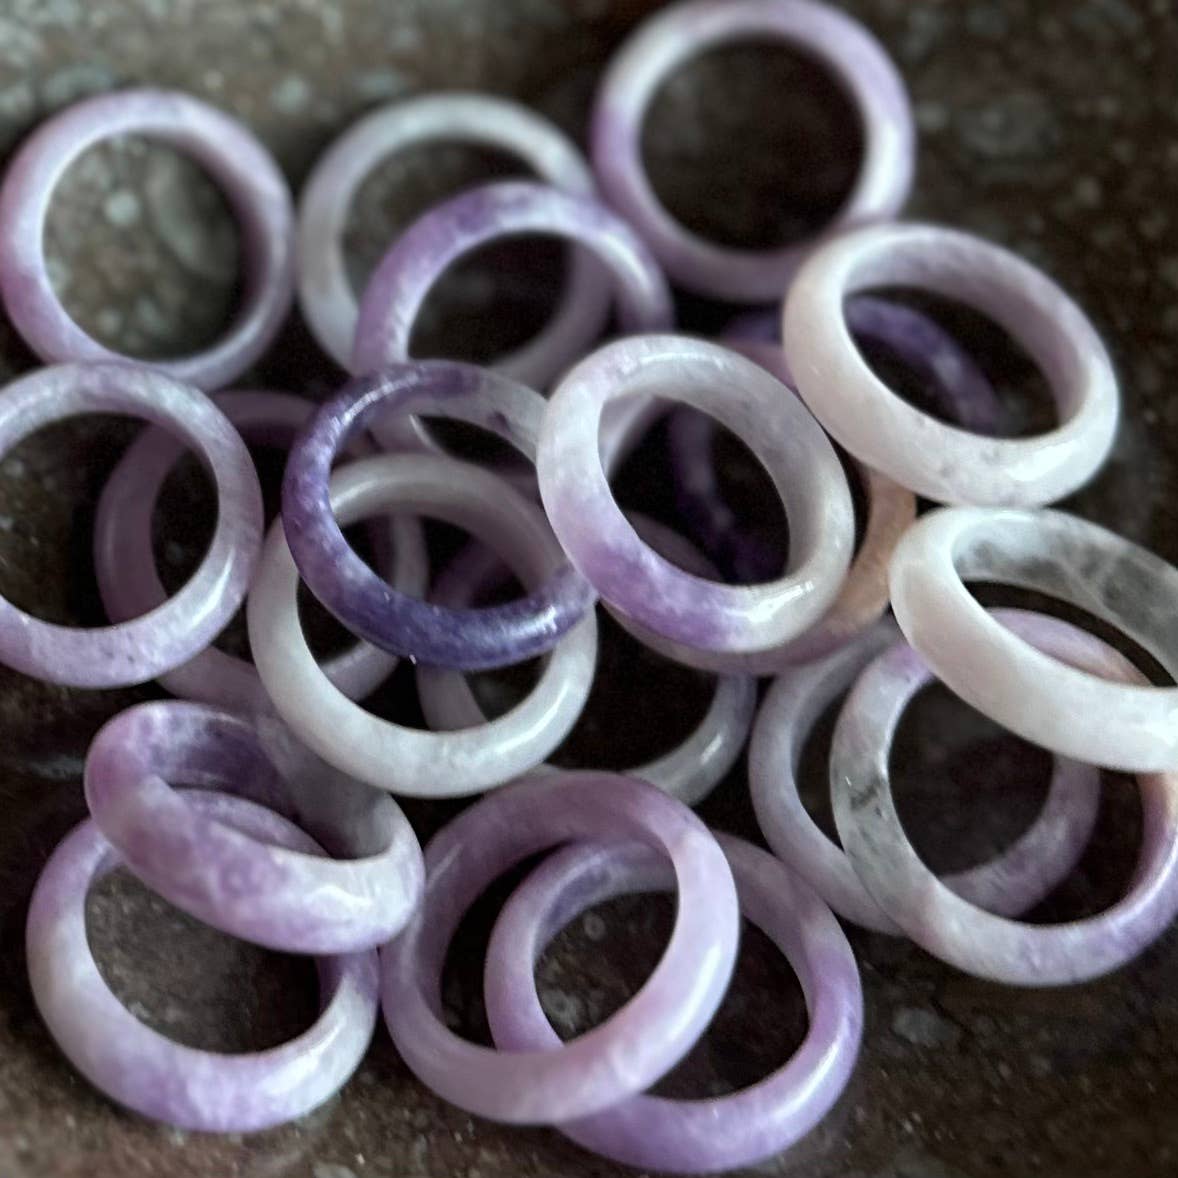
{"type": "Point", "coordinates": [1051, 126]}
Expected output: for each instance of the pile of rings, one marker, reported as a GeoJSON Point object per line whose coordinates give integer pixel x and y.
{"type": "Point", "coordinates": [261, 799]}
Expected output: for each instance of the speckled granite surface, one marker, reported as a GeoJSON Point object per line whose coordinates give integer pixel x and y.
{"type": "Point", "coordinates": [1051, 125]}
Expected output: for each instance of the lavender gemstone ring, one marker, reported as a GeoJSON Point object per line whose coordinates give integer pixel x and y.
{"type": "Point", "coordinates": [948, 926]}
{"type": "Point", "coordinates": [1014, 881]}
{"type": "Point", "coordinates": [667, 41]}
{"type": "Point", "coordinates": [417, 259]}
{"type": "Point", "coordinates": [273, 896]}
{"type": "Point", "coordinates": [638, 1044]}
{"type": "Point", "coordinates": [745, 623]}
{"type": "Point", "coordinates": [688, 1136]}
{"type": "Point", "coordinates": [391, 756]}
{"type": "Point", "coordinates": [253, 185]}
{"type": "Point", "coordinates": [129, 581]}
{"type": "Point", "coordinates": [325, 293]}
{"type": "Point", "coordinates": [690, 771]}
{"type": "Point", "coordinates": [1121, 725]}
{"type": "Point", "coordinates": [153, 1075]}
{"type": "Point", "coordinates": [939, 461]}
{"type": "Point", "coordinates": [470, 639]}
{"type": "Point", "coordinates": [141, 649]}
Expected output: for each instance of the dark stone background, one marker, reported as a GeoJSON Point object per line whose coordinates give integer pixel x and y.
{"type": "Point", "coordinates": [1051, 126]}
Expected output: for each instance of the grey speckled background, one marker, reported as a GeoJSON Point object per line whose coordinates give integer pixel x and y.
{"type": "Point", "coordinates": [1050, 126]}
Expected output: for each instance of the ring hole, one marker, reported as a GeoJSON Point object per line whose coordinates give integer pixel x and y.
{"type": "Point", "coordinates": [143, 250]}
{"type": "Point", "coordinates": [191, 983]}
{"type": "Point", "coordinates": [752, 146]}
{"type": "Point", "coordinates": [491, 300]}
{"type": "Point", "coordinates": [49, 488]}
{"type": "Point", "coordinates": [1022, 403]}
{"type": "Point", "coordinates": [604, 957]}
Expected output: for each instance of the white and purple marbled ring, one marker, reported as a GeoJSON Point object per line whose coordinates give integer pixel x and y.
{"type": "Point", "coordinates": [1121, 725]}
{"type": "Point", "coordinates": [688, 1136]}
{"type": "Point", "coordinates": [325, 292]}
{"type": "Point", "coordinates": [943, 462]}
{"type": "Point", "coordinates": [506, 208]}
{"type": "Point", "coordinates": [739, 622]}
{"type": "Point", "coordinates": [890, 511]}
{"type": "Point", "coordinates": [668, 40]}
{"type": "Point", "coordinates": [946, 925]}
{"type": "Point", "coordinates": [638, 1044]}
{"type": "Point", "coordinates": [911, 336]}
{"type": "Point", "coordinates": [1009, 884]}
{"type": "Point", "coordinates": [129, 582]}
{"type": "Point", "coordinates": [689, 771]}
{"type": "Point", "coordinates": [391, 756]}
{"type": "Point", "coordinates": [253, 186]}
{"type": "Point", "coordinates": [151, 1074]}
{"type": "Point", "coordinates": [141, 649]}
{"type": "Point", "coordinates": [272, 896]}
{"type": "Point", "coordinates": [469, 639]}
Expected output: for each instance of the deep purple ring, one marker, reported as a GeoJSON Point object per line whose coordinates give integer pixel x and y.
{"type": "Point", "coordinates": [465, 639]}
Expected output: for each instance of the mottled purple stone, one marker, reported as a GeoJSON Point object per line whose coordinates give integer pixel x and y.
{"type": "Point", "coordinates": [144, 1070]}
{"type": "Point", "coordinates": [468, 639]}
{"type": "Point", "coordinates": [273, 896]}
{"type": "Point", "coordinates": [140, 649]}
{"type": "Point", "coordinates": [688, 1136]}
{"type": "Point", "coordinates": [253, 185]}
{"type": "Point", "coordinates": [638, 1044]}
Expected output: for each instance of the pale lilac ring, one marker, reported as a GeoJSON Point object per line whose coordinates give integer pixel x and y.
{"type": "Point", "coordinates": [470, 639]}
{"type": "Point", "coordinates": [151, 1074]}
{"type": "Point", "coordinates": [743, 623]}
{"type": "Point", "coordinates": [943, 462]}
{"type": "Point", "coordinates": [129, 581]}
{"type": "Point", "coordinates": [253, 185]}
{"type": "Point", "coordinates": [688, 1136]}
{"type": "Point", "coordinates": [325, 293]}
{"type": "Point", "coordinates": [1009, 884]}
{"type": "Point", "coordinates": [269, 895]}
{"type": "Point", "coordinates": [638, 1044]}
{"type": "Point", "coordinates": [141, 649]}
{"type": "Point", "coordinates": [668, 40]}
{"type": "Point", "coordinates": [948, 926]}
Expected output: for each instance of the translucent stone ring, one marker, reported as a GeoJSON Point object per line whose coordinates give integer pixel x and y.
{"type": "Point", "coordinates": [1009, 884]}
{"type": "Point", "coordinates": [149, 645]}
{"type": "Point", "coordinates": [638, 1044]}
{"type": "Point", "coordinates": [948, 926]}
{"type": "Point", "coordinates": [471, 639]}
{"type": "Point", "coordinates": [939, 461]}
{"type": "Point", "coordinates": [1122, 725]}
{"type": "Point", "coordinates": [151, 1074]}
{"type": "Point", "coordinates": [688, 1136]}
{"type": "Point", "coordinates": [253, 185]}
{"type": "Point", "coordinates": [325, 293]}
{"type": "Point", "coordinates": [667, 41]}
{"type": "Point", "coordinates": [746, 624]}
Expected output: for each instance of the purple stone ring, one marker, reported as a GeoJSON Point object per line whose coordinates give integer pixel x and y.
{"type": "Point", "coordinates": [274, 896]}
{"type": "Point", "coordinates": [735, 627]}
{"type": "Point", "coordinates": [943, 462]}
{"type": "Point", "coordinates": [947, 925]}
{"type": "Point", "coordinates": [325, 293]}
{"type": "Point", "coordinates": [173, 632]}
{"type": "Point", "coordinates": [129, 581]}
{"type": "Point", "coordinates": [469, 639]}
{"type": "Point", "coordinates": [669, 39]}
{"type": "Point", "coordinates": [688, 1136]}
{"type": "Point", "coordinates": [638, 1044]}
{"type": "Point", "coordinates": [253, 186]}
{"type": "Point", "coordinates": [153, 1075]}
{"type": "Point", "coordinates": [1009, 884]}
